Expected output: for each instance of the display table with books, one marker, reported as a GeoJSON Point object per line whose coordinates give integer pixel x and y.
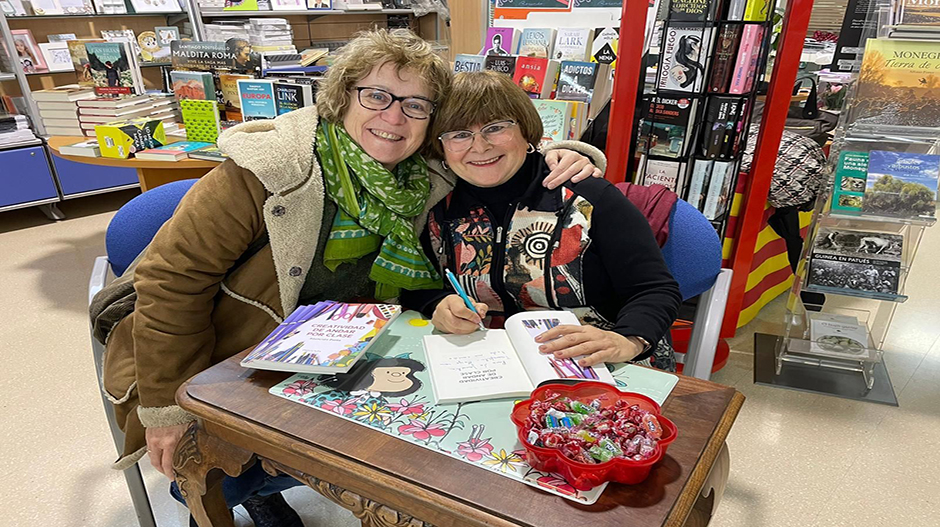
{"type": "Point", "coordinates": [393, 454]}
{"type": "Point", "coordinates": [150, 173]}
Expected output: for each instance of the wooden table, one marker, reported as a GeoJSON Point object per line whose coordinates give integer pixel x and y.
{"type": "Point", "coordinates": [150, 173]}
{"type": "Point", "coordinates": [408, 485]}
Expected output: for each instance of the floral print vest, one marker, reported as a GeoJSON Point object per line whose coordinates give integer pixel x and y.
{"type": "Point", "coordinates": [535, 259]}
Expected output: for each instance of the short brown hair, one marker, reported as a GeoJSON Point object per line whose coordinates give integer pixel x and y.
{"type": "Point", "coordinates": [373, 48]}
{"type": "Point", "coordinates": [481, 97]}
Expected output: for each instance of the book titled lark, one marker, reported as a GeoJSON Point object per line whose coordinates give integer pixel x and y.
{"type": "Point", "coordinates": [257, 99]}
{"type": "Point", "coordinates": [897, 84]}
{"type": "Point", "coordinates": [536, 42]}
{"type": "Point", "coordinates": [464, 63]}
{"type": "Point", "coordinates": [501, 64]}
{"type": "Point", "coordinates": [573, 44]}
{"type": "Point", "coordinates": [536, 76]}
{"type": "Point", "coordinates": [684, 58]}
{"type": "Point", "coordinates": [201, 118]}
{"type": "Point", "coordinates": [326, 337]}
{"type": "Point", "coordinates": [851, 180]}
{"type": "Point", "coordinates": [500, 363]}
{"type": "Point", "coordinates": [500, 41]}
{"type": "Point", "coordinates": [901, 184]}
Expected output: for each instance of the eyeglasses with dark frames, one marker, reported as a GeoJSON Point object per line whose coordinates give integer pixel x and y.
{"type": "Point", "coordinates": [378, 99]}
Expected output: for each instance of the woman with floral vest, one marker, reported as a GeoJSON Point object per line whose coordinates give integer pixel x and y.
{"type": "Point", "coordinates": [515, 245]}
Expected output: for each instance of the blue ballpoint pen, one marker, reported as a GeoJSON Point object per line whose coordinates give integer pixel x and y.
{"type": "Point", "coordinates": [463, 295]}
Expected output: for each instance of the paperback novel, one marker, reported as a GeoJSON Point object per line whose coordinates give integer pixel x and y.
{"type": "Point", "coordinates": [536, 42]}
{"type": "Point", "coordinates": [573, 44]}
{"type": "Point", "coordinates": [500, 41]}
{"type": "Point", "coordinates": [726, 47]}
{"type": "Point", "coordinates": [576, 81]}
{"type": "Point", "coordinates": [684, 58]}
{"type": "Point", "coordinates": [501, 64]}
{"type": "Point", "coordinates": [536, 76]}
{"type": "Point", "coordinates": [257, 99]}
{"type": "Point", "coordinates": [464, 62]}
{"type": "Point", "coordinates": [604, 47]}
{"type": "Point", "coordinates": [666, 125]}
{"type": "Point", "coordinates": [111, 68]}
{"type": "Point", "coordinates": [290, 97]}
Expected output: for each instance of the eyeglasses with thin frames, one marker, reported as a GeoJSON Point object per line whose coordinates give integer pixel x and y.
{"type": "Point", "coordinates": [462, 140]}
{"type": "Point", "coordinates": [378, 99]}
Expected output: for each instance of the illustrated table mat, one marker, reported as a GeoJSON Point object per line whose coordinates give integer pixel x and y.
{"type": "Point", "coordinates": [389, 390]}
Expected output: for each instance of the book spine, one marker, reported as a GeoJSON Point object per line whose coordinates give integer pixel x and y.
{"type": "Point", "coordinates": [755, 58]}
{"type": "Point", "coordinates": [745, 50]}
{"type": "Point", "coordinates": [710, 210]}
{"type": "Point", "coordinates": [731, 125]}
{"type": "Point", "coordinates": [756, 11]}
{"type": "Point", "coordinates": [725, 50]}
{"type": "Point", "coordinates": [701, 168]}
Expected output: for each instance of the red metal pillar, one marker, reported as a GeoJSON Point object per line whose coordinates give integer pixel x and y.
{"type": "Point", "coordinates": [786, 65]}
{"type": "Point", "coordinates": [626, 79]}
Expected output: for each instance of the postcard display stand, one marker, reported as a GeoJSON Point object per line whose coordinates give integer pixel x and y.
{"type": "Point", "coordinates": [858, 250]}
{"type": "Point", "coordinates": [659, 137]}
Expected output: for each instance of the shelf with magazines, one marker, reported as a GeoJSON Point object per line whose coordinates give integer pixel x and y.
{"type": "Point", "coordinates": [304, 12]}
{"type": "Point", "coordinates": [96, 15]}
{"type": "Point", "coordinates": [868, 223]}
{"type": "Point", "coordinates": [693, 121]}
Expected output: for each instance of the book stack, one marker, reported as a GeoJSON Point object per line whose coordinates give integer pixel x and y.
{"type": "Point", "coordinates": [271, 36]}
{"type": "Point", "coordinates": [93, 111]}
{"type": "Point", "coordinates": [166, 109]}
{"type": "Point", "coordinates": [59, 110]}
{"type": "Point", "coordinates": [224, 30]}
{"type": "Point", "coordinates": [14, 130]}
{"type": "Point", "coordinates": [211, 6]}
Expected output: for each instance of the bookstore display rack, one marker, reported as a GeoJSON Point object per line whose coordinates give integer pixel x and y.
{"type": "Point", "coordinates": [694, 117]}
{"type": "Point", "coordinates": [867, 225]}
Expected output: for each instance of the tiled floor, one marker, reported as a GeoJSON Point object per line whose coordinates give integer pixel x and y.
{"type": "Point", "coordinates": [797, 458]}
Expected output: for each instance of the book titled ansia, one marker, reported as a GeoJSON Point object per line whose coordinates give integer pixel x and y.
{"type": "Point", "coordinates": [576, 81]}
{"type": "Point", "coordinates": [501, 363]}
{"type": "Point", "coordinates": [500, 64]}
{"type": "Point", "coordinates": [536, 42]}
{"type": "Point", "coordinates": [464, 63]}
{"type": "Point", "coordinates": [326, 337]}
{"type": "Point", "coordinates": [856, 260]}
{"type": "Point", "coordinates": [684, 58]}
{"type": "Point", "coordinates": [257, 99]}
{"type": "Point", "coordinates": [536, 76]}
{"type": "Point", "coordinates": [573, 44]}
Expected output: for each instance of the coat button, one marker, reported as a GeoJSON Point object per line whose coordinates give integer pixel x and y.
{"type": "Point", "coordinates": [295, 271]}
{"type": "Point", "coordinates": [278, 210]}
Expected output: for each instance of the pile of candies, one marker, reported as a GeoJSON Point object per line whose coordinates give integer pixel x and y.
{"type": "Point", "coordinates": [587, 433]}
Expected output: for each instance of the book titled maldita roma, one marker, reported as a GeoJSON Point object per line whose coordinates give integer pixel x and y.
{"type": "Point", "coordinates": [326, 337]}
{"type": "Point", "coordinates": [899, 84]}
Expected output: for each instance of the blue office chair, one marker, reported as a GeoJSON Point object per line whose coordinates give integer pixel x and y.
{"type": "Point", "coordinates": [129, 232]}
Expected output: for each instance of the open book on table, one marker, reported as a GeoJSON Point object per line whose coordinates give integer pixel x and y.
{"type": "Point", "coordinates": [498, 363]}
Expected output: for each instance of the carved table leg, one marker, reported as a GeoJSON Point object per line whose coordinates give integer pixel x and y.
{"type": "Point", "coordinates": [370, 513]}
{"type": "Point", "coordinates": [195, 464]}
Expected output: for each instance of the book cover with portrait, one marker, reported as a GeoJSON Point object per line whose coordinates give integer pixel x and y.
{"type": "Point", "coordinates": [684, 60]}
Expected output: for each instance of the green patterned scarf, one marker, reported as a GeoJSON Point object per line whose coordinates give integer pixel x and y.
{"type": "Point", "coordinates": [376, 208]}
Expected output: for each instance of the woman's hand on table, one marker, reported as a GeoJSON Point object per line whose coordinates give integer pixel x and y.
{"type": "Point", "coordinates": [597, 345]}
{"type": "Point", "coordinates": [161, 446]}
{"type": "Point", "coordinates": [568, 164]}
{"type": "Point", "coordinates": [453, 316]}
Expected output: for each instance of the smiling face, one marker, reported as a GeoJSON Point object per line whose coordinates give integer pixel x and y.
{"type": "Point", "coordinates": [387, 135]}
{"type": "Point", "coordinates": [390, 379]}
{"type": "Point", "coordinates": [489, 165]}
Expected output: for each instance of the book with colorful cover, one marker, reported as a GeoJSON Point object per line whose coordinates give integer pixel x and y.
{"type": "Point", "coordinates": [757, 10]}
{"type": "Point", "coordinates": [231, 104]}
{"type": "Point", "coordinates": [327, 337]}
{"type": "Point", "coordinates": [684, 58]}
{"type": "Point", "coordinates": [901, 184]}
{"type": "Point", "coordinates": [605, 44]}
{"type": "Point", "coordinates": [209, 153]}
{"type": "Point", "coordinates": [240, 5]}
{"type": "Point", "coordinates": [536, 76]}
{"type": "Point", "coordinates": [666, 173]}
{"type": "Point", "coordinates": [536, 42]}
{"type": "Point", "coordinates": [193, 85]}
{"type": "Point", "coordinates": [556, 119]}
{"type": "Point", "coordinates": [171, 152]}
{"type": "Point", "coordinates": [576, 81]}
{"type": "Point", "coordinates": [120, 139]}
{"type": "Point", "coordinates": [726, 48]}
{"type": "Point", "coordinates": [898, 85]}
{"type": "Point", "coordinates": [487, 438]}
{"type": "Point", "coordinates": [666, 125]}
{"type": "Point", "coordinates": [573, 44]}
{"type": "Point", "coordinates": [856, 260]}
{"type": "Point", "coordinates": [201, 118]}
{"type": "Point", "coordinates": [501, 64]}
{"type": "Point", "coordinates": [500, 41]}
{"type": "Point", "coordinates": [464, 63]}
{"type": "Point", "coordinates": [80, 60]}
{"type": "Point", "coordinates": [851, 180]}
{"type": "Point", "coordinates": [290, 96]}
{"type": "Point", "coordinates": [257, 99]}
{"type": "Point", "coordinates": [111, 68]}
{"type": "Point", "coordinates": [922, 15]}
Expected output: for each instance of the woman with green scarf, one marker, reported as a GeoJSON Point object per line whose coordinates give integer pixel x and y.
{"type": "Point", "coordinates": [321, 203]}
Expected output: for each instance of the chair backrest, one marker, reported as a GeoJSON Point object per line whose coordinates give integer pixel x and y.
{"type": "Point", "coordinates": [136, 223]}
{"type": "Point", "coordinates": [692, 251]}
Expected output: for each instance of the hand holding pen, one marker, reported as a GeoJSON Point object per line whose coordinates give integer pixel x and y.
{"type": "Point", "coordinates": [457, 313]}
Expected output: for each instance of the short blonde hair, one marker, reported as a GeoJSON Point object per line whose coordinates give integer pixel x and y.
{"type": "Point", "coordinates": [373, 48]}
{"type": "Point", "coordinates": [481, 97]}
